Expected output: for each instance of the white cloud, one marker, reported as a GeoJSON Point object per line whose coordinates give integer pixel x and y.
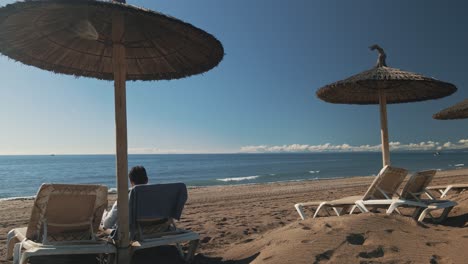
{"type": "Point", "coordinates": [136, 150]}
{"type": "Point", "coordinates": [328, 147]}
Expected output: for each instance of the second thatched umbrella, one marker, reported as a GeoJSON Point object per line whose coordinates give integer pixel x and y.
{"type": "Point", "coordinates": [107, 40]}
{"type": "Point", "coordinates": [457, 111]}
{"type": "Point", "coordinates": [384, 85]}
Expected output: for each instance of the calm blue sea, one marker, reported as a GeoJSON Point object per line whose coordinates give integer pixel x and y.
{"type": "Point", "coordinates": [22, 175]}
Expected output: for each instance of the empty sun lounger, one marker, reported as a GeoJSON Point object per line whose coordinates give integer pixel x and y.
{"type": "Point", "coordinates": [417, 184]}
{"type": "Point", "coordinates": [415, 188]}
{"type": "Point", "coordinates": [381, 195]}
{"type": "Point", "coordinates": [63, 221]}
{"type": "Point", "coordinates": [444, 189]}
{"type": "Point", "coordinates": [153, 209]}
{"type": "Point", "coordinates": [384, 186]}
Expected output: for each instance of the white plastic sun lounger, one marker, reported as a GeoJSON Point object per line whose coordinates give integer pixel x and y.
{"type": "Point", "coordinates": [63, 221]}
{"type": "Point", "coordinates": [444, 189]}
{"type": "Point", "coordinates": [384, 186]}
{"type": "Point", "coordinates": [411, 197]}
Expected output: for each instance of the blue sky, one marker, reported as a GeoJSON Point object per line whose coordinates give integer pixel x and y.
{"type": "Point", "coordinates": [261, 98]}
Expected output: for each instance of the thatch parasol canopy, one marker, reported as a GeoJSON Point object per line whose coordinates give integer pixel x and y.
{"type": "Point", "coordinates": [75, 37]}
{"type": "Point", "coordinates": [382, 85]}
{"type": "Point", "coordinates": [399, 87]}
{"type": "Point", "coordinates": [457, 111]}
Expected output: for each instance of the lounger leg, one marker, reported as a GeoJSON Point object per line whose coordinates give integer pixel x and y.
{"type": "Point", "coordinates": [338, 211]}
{"type": "Point", "coordinates": [193, 245]}
{"type": "Point", "coordinates": [24, 258]}
{"type": "Point", "coordinates": [423, 215]}
{"type": "Point", "coordinates": [393, 207]}
{"type": "Point", "coordinates": [300, 211]}
{"type": "Point", "coordinates": [352, 209]}
{"type": "Point", "coordinates": [430, 195]}
{"type": "Point", "coordinates": [361, 207]}
{"type": "Point", "coordinates": [318, 209]}
{"type": "Point", "coordinates": [444, 193]}
{"type": "Point", "coordinates": [11, 241]}
{"type": "Point", "coordinates": [443, 216]}
{"type": "Point", "coordinates": [17, 253]}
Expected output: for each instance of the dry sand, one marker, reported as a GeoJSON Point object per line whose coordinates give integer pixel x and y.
{"type": "Point", "coordinates": [258, 224]}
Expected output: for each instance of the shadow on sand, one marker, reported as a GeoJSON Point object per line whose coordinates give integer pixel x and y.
{"type": "Point", "coordinates": [201, 259]}
{"type": "Point", "coordinates": [456, 221]}
{"type": "Point", "coordinates": [160, 255]}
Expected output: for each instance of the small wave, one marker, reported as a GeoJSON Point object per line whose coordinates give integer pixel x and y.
{"type": "Point", "coordinates": [317, 171]}
{"type": "Point", "coordinates": [18, 198]}
{"type": "Point", "coordinates": [238, 178]}
{"type": "Point", "coordinates": [459, 165]}
{"type": "Point", "coordinates": [272, 174]}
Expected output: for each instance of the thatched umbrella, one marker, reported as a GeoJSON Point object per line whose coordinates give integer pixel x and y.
{"type": "Point", "coordinates": [108, 41]}
{"type": "Point", "coordinates": [384, 85]}
{"type": "Point", "coordinates": [457, 111]}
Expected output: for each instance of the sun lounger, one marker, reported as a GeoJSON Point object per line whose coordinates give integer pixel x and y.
{"type": "Point", "coordinates": [444, 189]}
{"type": "Point", "coordinates": [153, 209]}
{"type": "Point", "coordinates": [415, 188]}
{"type": "Point", "coordinates": [381, 195]}
{"type": "Point", "coordinates": [64, 221]}
{"type": "Point", "coordinates": [384, 186]}
{"type": "Point", "coordinates": [417, 184]}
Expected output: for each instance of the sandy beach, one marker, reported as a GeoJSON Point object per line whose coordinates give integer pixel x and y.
{"type": "Point", "coordinates": [258, 224]}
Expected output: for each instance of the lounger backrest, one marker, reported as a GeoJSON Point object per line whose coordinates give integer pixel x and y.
{"type": "Point", "coordinates": [156, 202]}
{"type": "Point", "coordinates": [417, 184]}
{"type": "Point", "coordinates": [386, 183]}
{"type": "Point", "coordinates": [66, 212]}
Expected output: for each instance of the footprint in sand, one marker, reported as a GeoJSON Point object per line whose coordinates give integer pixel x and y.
{"type": "Point", "coordinates": [324, 256]}
{"type": "Point", "coordinates": [355, 239]}
{"type": "Point", "coordinates": [308, 241]}
{"type": "Point", "coordinates": [395, 249]}
{"type": "Point", "coordinates": [205, 239]}
{"type": "Point", "coordinates": [434, 259]}
{"type": "Point", "coordinates": [376, 253]}
{"type": "Point", "coordinates": [435, 243]}
{"type": "Point", "coordinates": [247, 240]}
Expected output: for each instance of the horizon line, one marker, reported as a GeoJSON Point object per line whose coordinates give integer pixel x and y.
{"type": "Point", "coordinates": [231, 153]}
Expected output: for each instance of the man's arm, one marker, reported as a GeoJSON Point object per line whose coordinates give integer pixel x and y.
{"type": "Point", "coordinates": [110, 219]}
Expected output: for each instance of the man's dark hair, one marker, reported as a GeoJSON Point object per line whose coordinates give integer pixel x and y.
{"type": "Point", "coordinates": [138, 175]}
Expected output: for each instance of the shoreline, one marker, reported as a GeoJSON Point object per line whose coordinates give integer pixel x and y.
{"type": "Point", "coordinates": [113, 191]}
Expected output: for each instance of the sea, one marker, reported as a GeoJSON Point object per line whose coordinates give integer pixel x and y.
{"type": "Point", "coordinates": [21, 176]}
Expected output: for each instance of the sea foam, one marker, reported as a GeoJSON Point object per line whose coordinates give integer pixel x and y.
{"type": "Point", "coordinates": [18, 198]}
{"type": "Point", "coordinates": [236, 179]}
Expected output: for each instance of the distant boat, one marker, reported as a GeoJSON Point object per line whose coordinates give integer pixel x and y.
{"type": "Point", "coordinates": [437, 153]}
{"type": "Point", "coordinates": [52, 155]}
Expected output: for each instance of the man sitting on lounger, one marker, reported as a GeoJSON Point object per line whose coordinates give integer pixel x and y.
{"type": "Point", "coordinates": [137, 176]}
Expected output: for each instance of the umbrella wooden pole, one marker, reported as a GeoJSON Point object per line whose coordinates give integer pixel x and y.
{"type": "Point", "coordinates": [384, 128]}
{"type": "Point", "coordinates": [120, 73]}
